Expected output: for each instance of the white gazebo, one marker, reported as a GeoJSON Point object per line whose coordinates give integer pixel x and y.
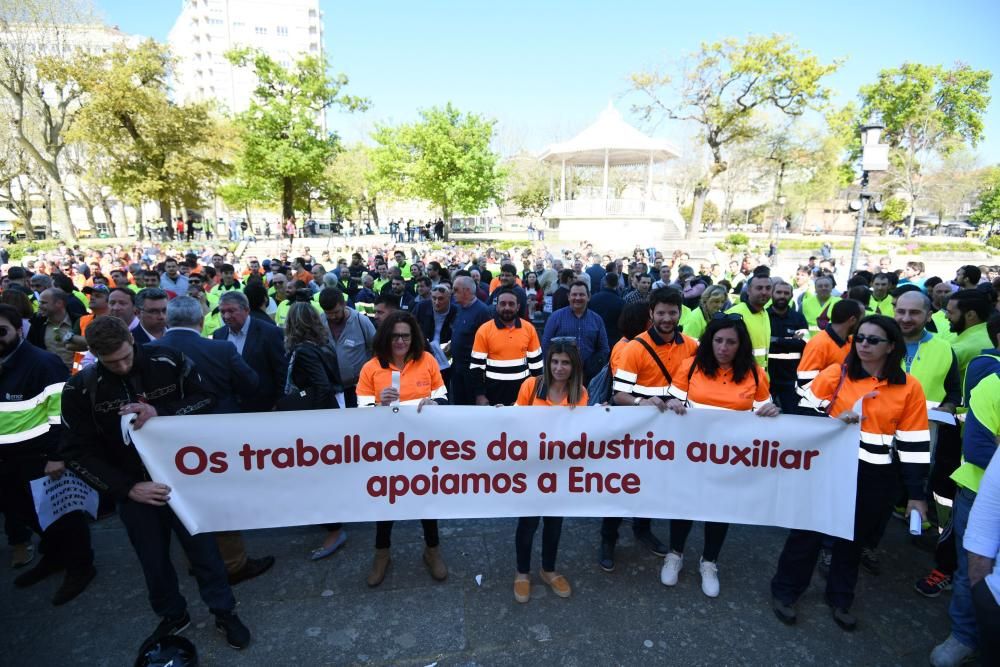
{"type": "Point", "coordinates": [628, 210]}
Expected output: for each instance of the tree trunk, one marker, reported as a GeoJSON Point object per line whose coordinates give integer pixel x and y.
{"type": "Point", "coordinates": [112, 227]}
{"type": "Point", "coordinates": [247, 210]}
{"type": "Point", "coordinates": [373, 210]}
{"type": "Point", "coordinates": [694, 224]}
{"type": "Point", "coordinates": [912, 221]}
{"type": "Point", "coordinates": [167, 218]}
{"type": "Point", "coordinates": [140, 232]}
{"type": "Point", "coordinates": [88, 210]}
{"type": "Point", "coordinates": [29, 231]}
{"type": "Point", "coordinates": [447, 221]}
{"type": "Point", "coordinates": [66, 230]}
{"type": "Point", "coordinates": [287, 198]}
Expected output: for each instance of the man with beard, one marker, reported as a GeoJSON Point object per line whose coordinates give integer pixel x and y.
{"type": "Point", "coordinates": [754, 316]}
{"type": "Point", "coordinates": [940, 294]}
{"type": "Point", "coordinates": [504, 352]}
{"type": "Point", "coordinates": [880, 302]}
{"type": "Point", "coordinates": [788, 330]}
{"type": "Point", "coordinates": [643, 377]}
{"type": "Point", "coordinates": [968, 310]}
{"type": "Point", "coordinates": [930, 359]}
{"type": "Point", "coordinates": [32, 377]}
{"type": "Point", "coordinates": [351, 336]}
{"type": "Point", "coordinates": [508, 284]}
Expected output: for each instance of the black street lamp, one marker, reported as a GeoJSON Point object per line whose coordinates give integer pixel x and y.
{"type": "Point", "coordinates": [874, 157]}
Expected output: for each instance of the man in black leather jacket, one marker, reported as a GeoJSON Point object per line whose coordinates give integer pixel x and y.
{"type": "Point", "coordinates": [131, 379]}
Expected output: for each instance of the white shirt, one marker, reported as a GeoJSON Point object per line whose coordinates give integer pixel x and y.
{"type": "Point", "coordinates": [239, 338]}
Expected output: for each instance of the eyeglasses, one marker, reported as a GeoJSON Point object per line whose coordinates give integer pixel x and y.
{"type": "Point", "coordinates": [734, 317]}
{"type": "Point", "coordinates": [871, 340]}
{"type": "Point", "coordinates": [401, 337]}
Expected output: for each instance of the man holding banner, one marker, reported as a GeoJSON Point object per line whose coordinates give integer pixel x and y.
{"type": "Point", "coordinates": [131, 379]}
{"type": "Point", "coordinates": [30, 382]}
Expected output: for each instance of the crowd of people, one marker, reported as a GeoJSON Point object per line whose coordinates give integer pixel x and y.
{"type": "Point", "coordinates": [150, 331]}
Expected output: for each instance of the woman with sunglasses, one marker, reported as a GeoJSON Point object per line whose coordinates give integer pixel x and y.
{"type": "Point", "coordinates": [894, 417]}
{"type": "Point", "coordinates": [722, 375]}
{"type": "Point", "coordinates": [561, 384]}
{"type": "Point", "coordinates": [398, 346]}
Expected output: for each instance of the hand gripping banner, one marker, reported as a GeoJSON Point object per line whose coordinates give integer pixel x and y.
{"type": "Point", "coordinates": [264, 470]}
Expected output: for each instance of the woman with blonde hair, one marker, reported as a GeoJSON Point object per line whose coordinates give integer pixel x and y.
{"type": "Point", "coordinates": [713, 300]}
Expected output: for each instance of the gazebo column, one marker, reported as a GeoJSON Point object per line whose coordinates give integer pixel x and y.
{"type": "Point", "coordinates": [605, 176]}
{"type": "Point", "coordinates": [562, 183]}
{"type": "Point", "coordinates": [649, 179]}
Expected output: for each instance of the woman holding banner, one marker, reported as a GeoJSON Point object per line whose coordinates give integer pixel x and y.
{"type": "Point", "coordinates": [402, 372]}
{"type": "Point", "coordinates": [895, 416]}
{"type": "Point", "coordinates": [722, 375]}
{"type": "Point", "coordinates": [560, 384]}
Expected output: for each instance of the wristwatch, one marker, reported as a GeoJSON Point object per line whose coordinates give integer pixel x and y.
{"type": "Point", "coordinates": [637, 401]}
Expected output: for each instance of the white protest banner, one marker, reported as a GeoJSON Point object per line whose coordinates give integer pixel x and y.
{"type": "Point", "coordinates": [264, 470]}
{"type": "Point", "coordinates": [56, 497]}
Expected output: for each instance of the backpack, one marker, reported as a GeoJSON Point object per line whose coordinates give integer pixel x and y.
{"type": "Point", "coordinates": [599, 387]}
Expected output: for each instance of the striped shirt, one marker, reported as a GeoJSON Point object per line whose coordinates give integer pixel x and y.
{"type": "Point", "coordinates": [638, 374]}
{"type": "Point", "coordinates": [504, 354]}
{"type": "Point", "coordinates": [896, 418]}
{"type": "Point", "coordinates": [824, 349]}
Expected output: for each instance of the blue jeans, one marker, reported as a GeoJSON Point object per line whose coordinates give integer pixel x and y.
{"type": "Point", "coordinates": [961, 610]}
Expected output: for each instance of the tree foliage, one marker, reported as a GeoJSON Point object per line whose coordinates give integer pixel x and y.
{"type": "Point", "coordinates": [987, 211]}
{"type": "Point", "coordinates": [284, 142]}
{"type": "Point", "coordinates": [724, 88]}
{"type": "Point", "coordinates": [528, 185]}
{"type": "Point", "coordinates": [350, 186]}
{"type": "Point", "coordinates": [444, 158]}
{"type": "Point", "coordinates": [157, 150]}
{"type": "Point", "coordinates": [928, 111]}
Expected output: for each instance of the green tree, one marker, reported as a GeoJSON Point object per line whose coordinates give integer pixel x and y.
{"type": "Point", "coordinates": [709, 212]}
{"type": "Point", "coordinates": [894, 209]}
{"type": "Point", "coordinates": [156, 150]}
{"type": "Point", "coordinates": [351, 185]}
{"type": "Point", "coordinates": [40, 105]}
{"type": "Point", "coordinates": [987, 211]}
{"type": "Point", "coordinates": [282, 133]}
{"type": "Point", "coordinates": [724, 90]}
{"type": "Point", "coordinates": [528, 185]}
{"type": "Point", "coordinates": [927, 111]}
{"type": "Point", "coordinates": [445, 158]}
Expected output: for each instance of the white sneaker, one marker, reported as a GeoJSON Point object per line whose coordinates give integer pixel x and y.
{"type": "Point", "coordinates": [709, 578]}
{"type": "Point", "coordinates": [951, 653]}
{"type": "Point", "coordinates": [672, 564]}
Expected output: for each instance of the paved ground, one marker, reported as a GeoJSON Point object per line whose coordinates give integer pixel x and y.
{"type": "Point", "coordinates": [306, 613]}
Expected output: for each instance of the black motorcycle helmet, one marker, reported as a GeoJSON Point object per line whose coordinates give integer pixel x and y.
{"type": "Point", "coordinates": [169, 651]}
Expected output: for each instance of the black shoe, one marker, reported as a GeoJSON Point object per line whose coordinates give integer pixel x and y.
{"type": "Point", "coordinates": [607, 557]}
{"type": "Point", "coordinates": [254, 567]}
{"type": "Point", "coordinates": [652, 542]}
{"type": "Point", "coordinates": [870, 562]}
{"type": "Point", "coordinates": [73, 584]}
{"type": "Point", "coordinates": [169, 626]}
{"type": "Point", "coordinates": [229, 624]}
{"type": "Point", "coordinates": [784, 612]}
{"type": "Point", "coordinates": [825, 558]}
{"type": "Point", "coordinates": [845, 619]}
{"type": "Point", "coordinates": [44, 568]}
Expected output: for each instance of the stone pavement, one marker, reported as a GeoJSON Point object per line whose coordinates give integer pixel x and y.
{"type": "Point", "coordinates": [304, 613]}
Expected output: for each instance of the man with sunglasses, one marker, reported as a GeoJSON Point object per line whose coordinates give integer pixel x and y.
{"type": "Point", "coordinates": [30, 374]}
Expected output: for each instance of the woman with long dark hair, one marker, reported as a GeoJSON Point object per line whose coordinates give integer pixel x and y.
{"type": "Point", "coordinates": [561, 383]}
{"type": "Point", "coordinates": [895, 418]}
{"type": "Point", "coordinates": [722, 375]}
{"type": "Point", "coordinates": [399, 349]}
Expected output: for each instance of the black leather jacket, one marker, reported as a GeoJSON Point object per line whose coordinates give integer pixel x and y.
{"type": "Point", "coordinates": [315, 367]}
{"type": "Point", "coordinates": [92, 444]}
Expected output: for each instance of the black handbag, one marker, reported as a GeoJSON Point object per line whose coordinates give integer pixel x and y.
{"type": "Point", "coordinates": [295, 398]}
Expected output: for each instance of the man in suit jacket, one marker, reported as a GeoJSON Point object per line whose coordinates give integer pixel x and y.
{"type": "Point", "coordinates": [260, 344]}
{"type": "Point", "coordinates": [228, 377]}
{"type": "Point", "coordinates": [435, 317]}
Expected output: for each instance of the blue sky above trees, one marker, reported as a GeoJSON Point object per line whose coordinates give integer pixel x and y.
{"type": "Point", "coordinates": [546, 69]}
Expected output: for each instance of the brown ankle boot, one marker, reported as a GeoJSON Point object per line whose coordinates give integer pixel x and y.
{"type": "Point", "coordinates": [435, 563]}
{"type": "Point", "coordinates": [379, 566]}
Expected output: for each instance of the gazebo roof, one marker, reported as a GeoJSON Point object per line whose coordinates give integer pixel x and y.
{"type": "Point", "coordinates": [624, 144]}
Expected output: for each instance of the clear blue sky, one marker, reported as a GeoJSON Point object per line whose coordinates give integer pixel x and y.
{"type": "Point", "coordinates": [545, 70]}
